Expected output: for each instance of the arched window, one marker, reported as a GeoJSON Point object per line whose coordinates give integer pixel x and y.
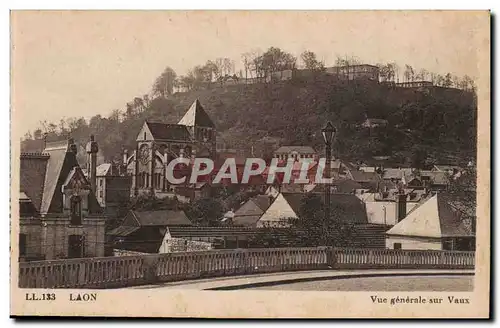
{"type": "Point", "coordinates": [76, 210]}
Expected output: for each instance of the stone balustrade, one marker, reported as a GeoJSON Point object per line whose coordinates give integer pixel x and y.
{"type": "Point", "coordinates": [123, 271]}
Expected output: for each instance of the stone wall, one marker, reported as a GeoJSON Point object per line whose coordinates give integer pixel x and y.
{"type": "Point", "coordinates": [173, 245]}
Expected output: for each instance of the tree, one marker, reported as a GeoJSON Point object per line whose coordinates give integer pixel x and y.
{"type": "Point", "coordinates": [311, 62]}
{"type": "Point", "coordinates": [139, 104]}
{"type": "Point", "coordinates": [448, 82]}
{"type": "Point", "coordinates": [247, 59]}
{"type": "Point", "coordinates": [205, 211]}
{"type": "Point", "coordinates": [164, 84]}
{"type": "Point", "coordinates": [422, 74]}
{"type": "Point", "coordinates": [409, 74]}
{"type": "Point", "coordinates": [275, 60]}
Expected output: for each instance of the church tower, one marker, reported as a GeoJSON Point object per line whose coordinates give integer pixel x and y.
{"type": "Point", "coordinates": [202, 130]}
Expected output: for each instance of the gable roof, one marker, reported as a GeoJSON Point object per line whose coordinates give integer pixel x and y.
{"type": "Point", "coordinates": [196, 116]}
{"type": "Point", "coordinates": [250, 212]}
{"type": "Point", "coordinates": [161, 218]}
{"type": "Point", "coordinates": [55, 164]}
{"type": "Point", "coordinates": [298, 149]}
{"type": "Point", "coordinates": [103, 169]}
{"type": "Point", "coordinates": [43, 175]}
{"type": "Point", "coordinates": [435, 218]}
{"type": "Point", "coordinates": [262, 201]}
{"type": "Point", "coordinates": [162, 131]}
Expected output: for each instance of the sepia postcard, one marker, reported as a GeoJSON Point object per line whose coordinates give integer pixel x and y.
{"type": "Point", "coordinates": [250, 164]}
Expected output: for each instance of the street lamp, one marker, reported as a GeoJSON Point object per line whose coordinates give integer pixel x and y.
{"type": "Point", "coordinates": [328, 132]}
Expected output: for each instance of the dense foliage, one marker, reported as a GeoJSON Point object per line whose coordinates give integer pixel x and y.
{"type": "Point", "coordinates": [437, 125]}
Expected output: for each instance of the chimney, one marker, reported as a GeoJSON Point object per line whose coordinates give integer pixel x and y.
{"type": "Point", "coordinates": [92, 149]}
{"type": "Point", "coordinates": [72, 146]}
{"type": "Point", "coordinates": [124, 157]}
{"type": "Point", "coordinates": [44, 141]}
{"type": "Point", "coordinates": [400, 205]}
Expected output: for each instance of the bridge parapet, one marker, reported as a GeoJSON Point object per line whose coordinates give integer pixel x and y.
{"type": "Point", "coordinates": [123, 271]}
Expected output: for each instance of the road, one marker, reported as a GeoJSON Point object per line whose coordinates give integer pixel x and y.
{"type": "Point", "coordinates": [332, 280]}
{"type": "Point", "coordinates": [386, 284]}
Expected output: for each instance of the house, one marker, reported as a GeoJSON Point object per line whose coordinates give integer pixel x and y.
{"type": "Point", "coordinates": [454, 171]}
{"type": "Point", "coordinates": [288, 206]}
{"type": "Point", "coordinates": [367, 180]}
{"type": "Point", "coordinates": [251, 211]}
{"type": "Point", "coordinates": [295, 152]}
{"type": "Point", "coordinates": [383, 208]}
{"type": "Point", "coordinates": [414, 84]}
{"type": "Point", "coordinates": [171, 244]}
{"type": "Point", "coordinates": [158, 143]}
{"type": "Point", "coordinates": [396, 174]}
{"type": "Point", "coordinates": [355, 72]}
{"type": "Point", "coordinates": [436, 224]}
{"type": "Point", "coordinates": [144, 231]}
{"type": "Point", "coordinates": [284, 75]}
{"type": "Point", "coordinates": [374, 123]}
{"type": "Point", "coordinates": [113, 189]}
{"type": "Point", "coordinates": [60, 216]}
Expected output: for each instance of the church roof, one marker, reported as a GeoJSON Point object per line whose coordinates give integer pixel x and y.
{"type": "Point", "coordinates": [435, 218]}
{"type": "Point", "coordinates": [162, 131]}
{"type": "Point", "coordinates": [196, 116]}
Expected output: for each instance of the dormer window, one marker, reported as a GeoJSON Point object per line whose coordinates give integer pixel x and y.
{"type": "Point", "coordinates": [76, 210]}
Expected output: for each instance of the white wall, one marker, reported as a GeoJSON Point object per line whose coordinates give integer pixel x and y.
{"type": "Point", "coordinates": [413, 243]}
{"type": "Point", "coordinates": [279, 209]}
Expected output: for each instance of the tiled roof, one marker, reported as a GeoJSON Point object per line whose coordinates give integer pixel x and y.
{"type": "Point", "coordinates": [161, 218]}
{"type": "Point", "coordinates": [298, 149]}
{"type": "Point", "coordinates": [32, 177]}
{"type": "Point", "coordinates": [252, 210]}
{"type": "Point", "coordinates": [435, 218]}
{"type": "Point", "coordinates": [391, 173]}
{"type": "Point", "coordinates": [350, 206]}
{"type": "Point", "coordinates": [122, 231]}
{"type": "Point", "coordinates": [361, 176]}
{"type": "Point", "coordinates": [162, 131]}
{"type": "Point", "coordinates": [196, 116]}
{"type": "Point", "coordinates": [55, 165]}
{"type": "Point", "coordinates": [262, 201]}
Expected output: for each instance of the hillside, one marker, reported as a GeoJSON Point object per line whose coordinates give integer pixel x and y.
{"type": "Point", "coordinates": [433, 125]}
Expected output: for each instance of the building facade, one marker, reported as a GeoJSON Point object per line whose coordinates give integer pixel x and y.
{"type": "Point", "coordinates": [112, 189]}
{"type": "Point", "coordinates": [60, 216]}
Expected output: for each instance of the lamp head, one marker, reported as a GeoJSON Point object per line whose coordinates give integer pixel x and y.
{"type": "Point", "coordinates": [329, 132]}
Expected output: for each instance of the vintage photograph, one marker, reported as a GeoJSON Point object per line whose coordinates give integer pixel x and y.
{"type": "Point", "coordinates": [320, 151]}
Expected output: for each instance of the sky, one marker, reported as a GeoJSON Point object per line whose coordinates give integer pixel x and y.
{"type": "Point", "coordinates": [83, 63]}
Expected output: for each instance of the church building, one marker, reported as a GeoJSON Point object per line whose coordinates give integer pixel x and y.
{"type": "Point", "coordinates": [157, 144]}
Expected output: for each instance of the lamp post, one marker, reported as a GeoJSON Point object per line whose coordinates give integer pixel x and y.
{"type": "Point", "coordinates": [328, 132]}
